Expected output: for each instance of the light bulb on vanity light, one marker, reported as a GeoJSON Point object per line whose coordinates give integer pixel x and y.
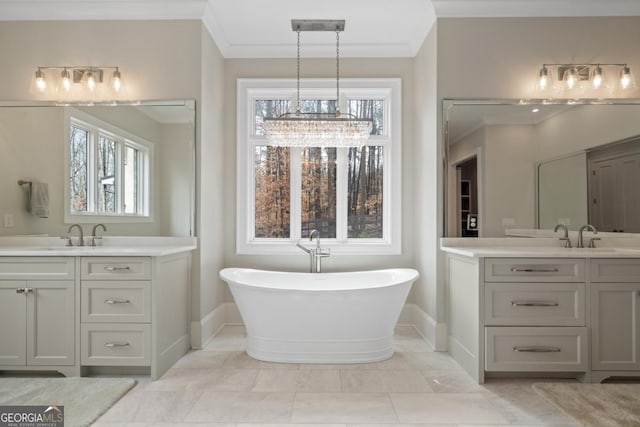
{"type": "Point", "coordinates": [91, 80]}
{"type": "Point", "coordinates": [65, 79]}
{"type": "Point", "coordinates": [41, 84]}
{"type": "Point", "coordinates": [571, 78]}
{"type": "Point", "coordinates": [116, 81]}
{"type": "Point", "coordinates": [597, 78]}
{"type": "Point", "coordinates": [544, 80]}
{"type": "Point", "coordinates": [625, 77]}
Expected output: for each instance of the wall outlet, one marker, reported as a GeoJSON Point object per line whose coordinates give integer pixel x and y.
{"type": "Point", "coordinates": [7, 220]}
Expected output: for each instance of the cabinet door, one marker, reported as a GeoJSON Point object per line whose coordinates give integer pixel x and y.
{"type": "Point", "coordinates": [616, 326]}
{"type": "Point", "coordinates": [13, 320]}
{"type": "Point", "coordinates": [50, 323]}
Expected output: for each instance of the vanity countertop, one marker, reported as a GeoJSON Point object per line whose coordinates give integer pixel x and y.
{"type": "Point", "coordinates": [108, 246]}
{"type": "Point", "coordinates": [538, 248]}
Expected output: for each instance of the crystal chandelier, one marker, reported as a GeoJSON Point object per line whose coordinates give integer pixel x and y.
{"type": "Point", "coordinates": [318, 129]}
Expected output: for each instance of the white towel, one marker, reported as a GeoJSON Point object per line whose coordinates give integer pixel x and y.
{"type": "Point", "coordinates": [39, 199]}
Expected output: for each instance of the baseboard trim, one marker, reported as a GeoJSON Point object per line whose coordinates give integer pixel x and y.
{"type": "Point", "coordinates": [205, 329]}
{"type": "Point", "coordinates": [433, 332]}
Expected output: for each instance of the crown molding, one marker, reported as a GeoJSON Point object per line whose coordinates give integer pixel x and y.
{"type": "Point", "coordinates": [534, 8]}
{"type": "Point", "coordinates": [70, 10]}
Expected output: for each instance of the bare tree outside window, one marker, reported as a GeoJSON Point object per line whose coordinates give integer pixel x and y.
{"type": "Point", "coordinates": [365, 192]}
{"type": "Point", "coordinates": [269, 108]}
{"type": "Point", "coordinates": [318, 194]}
{"type": "Point", "coordinates": [78, 174]}
{"type": "Point", "coordinates": [272, 192]}
{"type": "Point", "coordinates": [106, 174]}
{"type": "Point", "coordinates": [369, 109]}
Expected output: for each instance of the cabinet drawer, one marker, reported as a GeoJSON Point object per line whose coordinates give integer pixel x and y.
{"type": "Point", "coordinates": [615, 270]}
{"type": "Point", "coordinates": [533, 270]}
{"type": "Point", "coordinates": [37, 268]}
{"type": "Point", "coordinates": [542, 349]}
{"type": "Point", "coordinates": [116, 268]}
{"type": "Point", "coordinates": [116, 344]}
{"type": "Point", "coordinates": [534, 304]}
{"type": "Point", "coordinates": [116, 301]}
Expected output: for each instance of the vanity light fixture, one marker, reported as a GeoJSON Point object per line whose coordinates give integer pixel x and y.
{"type": "Point", "coordinates": [318, 129]}
{"type": "Point", "coordinates": [588, 80]}
{"type": "Point", "coordinates": [76, 78]}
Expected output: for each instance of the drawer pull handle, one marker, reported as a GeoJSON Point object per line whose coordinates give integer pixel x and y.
{"type": "Point", "coordinates": [117, 344]}
{"type": "Point", "coordinates": [112, 269]}
{"type": "Point", "coordinates": [117, 301]}
{"type": "Point", "coordinates": [534, 304]}
{"type": "Point", "coordinates": [537, 349]}
{"type": "Point", "coordinates": [24, 290]}
{"type": "Point", "coordinates": [534, 270]}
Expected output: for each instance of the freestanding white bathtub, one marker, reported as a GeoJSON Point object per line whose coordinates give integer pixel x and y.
{"type": "Point", "coordinates": [322, 317]}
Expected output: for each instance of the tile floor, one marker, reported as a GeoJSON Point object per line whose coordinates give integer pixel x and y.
{"type": "Point", "coordinates": [221, 386]}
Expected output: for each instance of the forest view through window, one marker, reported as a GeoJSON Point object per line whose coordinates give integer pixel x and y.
{"type": "Point", "coordinates": [108, 172]}
{"type": "Point", "coordinates": [344, 193]}
{"type": "Point", "coordinates": [319, 171]}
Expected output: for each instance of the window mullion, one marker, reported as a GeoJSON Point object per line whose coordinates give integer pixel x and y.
{"type": "Point", "coordinates": [342, 194]}
{"type": "Point", "coordinates": [295, 193]}
{"type": "Point", "coordinates": [251, 189]}
{"type": "Point", "coordinates": [119, 177]}
{"type": "Point", "coordinates": [92, 175]}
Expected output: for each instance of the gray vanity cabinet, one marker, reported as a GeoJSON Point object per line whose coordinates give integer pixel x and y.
{"type": "Point", "coordinates": [534, 315]}
{"type": "Point", "coordinates": [37, 313]}
{"type": "Point", "coordinates": [615, 307]}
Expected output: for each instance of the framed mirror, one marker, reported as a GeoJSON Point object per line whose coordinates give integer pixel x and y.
{"type": "Point", "coordinates": [130, 166]}
{"type": "Point", "coordinates": [520, 167]}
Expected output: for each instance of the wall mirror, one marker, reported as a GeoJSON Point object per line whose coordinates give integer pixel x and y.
{"type": "Point", "coordinates": [130, 166]}
{"type": "Point", "coordinates": [516, 168]}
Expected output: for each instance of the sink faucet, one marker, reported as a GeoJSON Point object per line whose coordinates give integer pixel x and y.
{"type": "Point", "coordinates": [92, 242]}
{"type": "Point", "coordinates": [580, 240]}
{"type": "Point", "coordinates": [316, 254]}
{"type": "Point", "coordinates": [565, 237]}
{"type": "Point", "coordinates": [81, 238]}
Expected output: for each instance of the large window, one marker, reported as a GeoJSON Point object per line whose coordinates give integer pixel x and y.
{"type": "Point", "coordinates": [350, 195]}
{"type": "Point", "coordinates": [108, 171]}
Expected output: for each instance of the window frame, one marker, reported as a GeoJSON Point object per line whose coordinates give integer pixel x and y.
{"type": "Point", "coordinates": [144, 186]}
{"type": "Point", "coordinates": [250, 90]}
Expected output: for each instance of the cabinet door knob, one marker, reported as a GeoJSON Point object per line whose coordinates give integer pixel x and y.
{"type": "Point", "coordinates": [112, 268]}
{"type": "Point", "coordinates": [20, 290]}
{"type": "Point", "coordinates": [117, 344]}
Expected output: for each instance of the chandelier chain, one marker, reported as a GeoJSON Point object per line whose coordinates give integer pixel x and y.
{"type": "Point", "coordinates": [298, 75]}
{"type": "Point", "coordinates": [337, 70]}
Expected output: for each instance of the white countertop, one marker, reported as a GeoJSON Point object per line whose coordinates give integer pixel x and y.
{"type": "Point", "coordinates": [108, 246]}
{"type": "Point", "coordinates": [538, 248]}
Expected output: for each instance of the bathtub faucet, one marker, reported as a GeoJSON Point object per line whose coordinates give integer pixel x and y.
{"type": "Point", "coordinates": [315, 254]}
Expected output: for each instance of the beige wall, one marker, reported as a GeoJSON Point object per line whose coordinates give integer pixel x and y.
{"type": "Point", "coordinates": [286, 68]}
{"type": "Point", "coordinates": [211, 184]}
{"type": "Point", "coordinates": [428, 292]}
{"type": "Point", "coordinates": [500, 57]}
